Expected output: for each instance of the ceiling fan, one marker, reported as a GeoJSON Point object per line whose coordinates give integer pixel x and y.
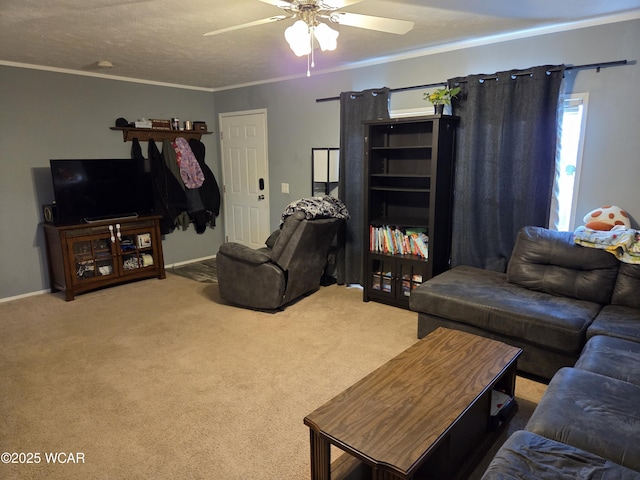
{"type": "Point", "coordinates": [312, 24]}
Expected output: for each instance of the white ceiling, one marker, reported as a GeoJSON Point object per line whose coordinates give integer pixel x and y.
{"type": "Point", "coordinates": [162, 41]}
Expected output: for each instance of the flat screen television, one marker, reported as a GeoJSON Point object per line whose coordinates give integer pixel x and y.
{"type": "Point", "coordinates": [88, 190]}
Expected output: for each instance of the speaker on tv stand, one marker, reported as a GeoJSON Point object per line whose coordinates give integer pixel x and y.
{"type": "Point", "coordinates": [50, 213]}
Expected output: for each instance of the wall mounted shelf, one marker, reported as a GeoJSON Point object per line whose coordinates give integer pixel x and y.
{"type": "Point", "coordinates": [146, 134]}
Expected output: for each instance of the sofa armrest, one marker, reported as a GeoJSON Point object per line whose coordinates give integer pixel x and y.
{"type": "Point", "coordinates": [627, 286]}
{"type": "Point", "coordinates": [527, 455]}
{"type": "Point", "coordinates": [246, 254]}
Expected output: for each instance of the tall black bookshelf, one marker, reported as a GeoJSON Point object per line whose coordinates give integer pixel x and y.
{"type": "Point", "coordinates": [409, 167]}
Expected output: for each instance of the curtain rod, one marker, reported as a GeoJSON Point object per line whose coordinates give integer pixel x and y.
{"type": "Point", "coordinates": [391, 90]}
{"type": "Point", "coordinates": [596, 66]}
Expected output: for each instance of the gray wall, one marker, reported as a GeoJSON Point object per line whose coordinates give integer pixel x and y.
{"type": "Point", "coordinates": [611, 167]}
{"type": "Point", "coordinates": [47, 115]}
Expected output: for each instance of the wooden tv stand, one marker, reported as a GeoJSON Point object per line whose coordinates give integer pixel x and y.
{"type": "Point", "coordinates": [88, 256]}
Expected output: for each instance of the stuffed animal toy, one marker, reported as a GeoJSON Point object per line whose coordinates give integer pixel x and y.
{"type": "Point", "coordinates": [606, 218]}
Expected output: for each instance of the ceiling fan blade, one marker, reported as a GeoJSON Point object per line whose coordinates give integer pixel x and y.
{"type": "Point", "coordinates": [279, 3]}
{"type": "Point", "coordinates": [389, 25]}
{"type": "Point", "coordinates": [338, 3]}
{"type": "Point", "coordinates": [277, 18]}
{"type": "Point", "coordinates": [329, 3]}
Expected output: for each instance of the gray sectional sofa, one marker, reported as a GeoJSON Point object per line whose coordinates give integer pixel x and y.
{"type": "Point", "coordinates": [575, 312]}
{"type": "Point", "coordinates": [587, 424]}
{"type": "Point", "coordinates": [554, 296]}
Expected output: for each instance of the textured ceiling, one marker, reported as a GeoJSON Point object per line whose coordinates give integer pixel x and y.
{"type": "Point", "coordinates": [162, 41]}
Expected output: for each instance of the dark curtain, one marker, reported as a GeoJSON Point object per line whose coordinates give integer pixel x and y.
{"type": "Point", "coordinates": [505, 165]}
{"type": "Point", "coordinates": [355, 108]}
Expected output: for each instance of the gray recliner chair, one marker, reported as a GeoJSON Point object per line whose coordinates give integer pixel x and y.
{"type": "Point", "coordinates": [289, 266]}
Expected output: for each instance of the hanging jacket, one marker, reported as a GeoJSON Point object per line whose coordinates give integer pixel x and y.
{"type": "Point", "coordinates": [169, 198]}
{"type": "Point", "coordinates": [194, 209]}
{"type": "Point", "coordinates": [209, 191]}
{"type": "Point", "coordinates": [171, 162]}
{"type": "Point", "coordinates": [190, 170]}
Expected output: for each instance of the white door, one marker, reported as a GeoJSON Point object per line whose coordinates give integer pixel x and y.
{"type": "Point", "coordinates": [245, 177]}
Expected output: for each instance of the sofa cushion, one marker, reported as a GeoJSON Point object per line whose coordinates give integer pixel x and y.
{"type": "Point", "coordinates": [548, 261]}
{"type": "Point", "coordinates": [627, 288]}
{"type": "Point", "coordinates": [592, 412]}
{"type": "Point", "coordinates": [613, 357]}
{"type": "Point", "coordinates": [526, 455]}
{"type": "Point", "coordinates": [617, 321]}
{"type": "Point", "coordinates": [486, 299]}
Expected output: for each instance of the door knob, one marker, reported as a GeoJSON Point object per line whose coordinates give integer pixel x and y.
{"type": "Point", "coordinates": [260, 197]}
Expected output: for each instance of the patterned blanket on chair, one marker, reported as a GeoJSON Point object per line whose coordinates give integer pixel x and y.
{"type": "Point", "coordinates": [317, 207]}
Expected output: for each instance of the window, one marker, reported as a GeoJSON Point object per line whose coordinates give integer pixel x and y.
{"type": "Point", "coordinates": [571, 141]}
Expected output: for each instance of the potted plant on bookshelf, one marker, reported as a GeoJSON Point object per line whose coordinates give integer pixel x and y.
{"type": "Point", "coordinates": [441, 97]}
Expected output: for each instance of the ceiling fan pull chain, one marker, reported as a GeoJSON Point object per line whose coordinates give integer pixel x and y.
{"type": "Point", "coordinates": [310, 55]}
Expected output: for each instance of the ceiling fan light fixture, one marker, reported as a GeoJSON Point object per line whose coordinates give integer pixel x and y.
{"type": "Point", "coordinates": [299, 38]}
{"type": "Point", "coordinates": [327, 37]}
{"type": "Point", "coordinates": [308, 28]}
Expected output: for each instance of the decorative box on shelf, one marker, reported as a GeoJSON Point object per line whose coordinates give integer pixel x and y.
{"type": "Point", "coordinates": [144, 240]}
{"type": "Point", "coordinates": [161, 124]}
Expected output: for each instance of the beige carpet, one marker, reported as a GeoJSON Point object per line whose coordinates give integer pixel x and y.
{"type": "Point", "coordinates": [160, 379]}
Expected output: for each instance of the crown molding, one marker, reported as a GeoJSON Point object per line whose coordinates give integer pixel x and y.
{"type": "Point", "coordinates": [422, 52]}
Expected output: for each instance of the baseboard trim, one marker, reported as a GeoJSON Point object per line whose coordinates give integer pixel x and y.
{"type": "Point", "coordinates": [187, 262]}
{"type": "Point", "coordinates": [40, 292]}
{"type": "Point", "coordinates": [24, 295]}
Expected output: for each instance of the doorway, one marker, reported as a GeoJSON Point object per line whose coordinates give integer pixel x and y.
{"type": "Point", "coordinates": [245, 177]}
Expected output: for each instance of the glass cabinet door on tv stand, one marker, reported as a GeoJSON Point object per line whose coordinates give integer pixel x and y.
{"type": "Point", "coordinates": [93, 257]}
{"type": "Point", "coordinates": [89, 256]}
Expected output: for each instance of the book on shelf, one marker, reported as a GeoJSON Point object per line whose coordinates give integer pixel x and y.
{"type": "Point", "coordinates": [382, 281]}
{"type": "Point", "coordinates": [398, 241]}
{"type": "Point", "coordinates": [406, 288]}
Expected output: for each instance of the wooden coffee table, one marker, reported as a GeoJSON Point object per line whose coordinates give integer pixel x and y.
{"type": "Point", "coordinates": [424, 414]}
